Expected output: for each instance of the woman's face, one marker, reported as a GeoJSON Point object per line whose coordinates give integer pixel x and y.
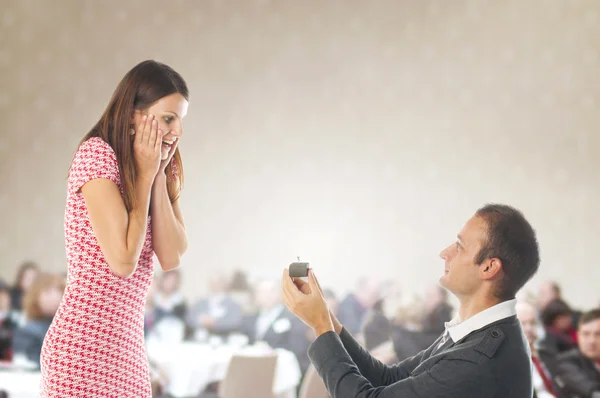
{"type": "Point", "coordinates": [28, 278]}
{"type": "Point", "coordinates": [169, 111]}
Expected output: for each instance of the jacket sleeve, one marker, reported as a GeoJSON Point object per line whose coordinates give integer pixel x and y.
{"type": "Point", "coordinates": [376, 372]}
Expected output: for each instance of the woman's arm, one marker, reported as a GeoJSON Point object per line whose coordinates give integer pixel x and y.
{"type": "Point", "coordinates": [169, 237]}
{"type": "Point", "coordinates": [120, 234]}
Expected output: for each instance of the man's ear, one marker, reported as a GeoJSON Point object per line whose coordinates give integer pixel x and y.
{"type": "Point", "coordinates": [490, 268]}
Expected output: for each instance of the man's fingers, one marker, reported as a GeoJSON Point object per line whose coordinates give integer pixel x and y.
{"type": "Point", "coordinates": [302, 285]}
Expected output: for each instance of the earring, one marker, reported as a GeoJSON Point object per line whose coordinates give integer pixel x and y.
{"type": "Point", "coordinates": [131, 130]}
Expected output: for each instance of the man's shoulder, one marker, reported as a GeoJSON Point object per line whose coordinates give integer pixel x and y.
{"type": "Point", "coordinates": [502, 338]}
{"type": "Point", "coordinates": [569, 356]}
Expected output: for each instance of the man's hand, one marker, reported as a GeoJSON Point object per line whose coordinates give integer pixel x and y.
{"type": "Point", "coordinates": [305, 288]}
{"type": "Point", "coordinates": [306, 301]}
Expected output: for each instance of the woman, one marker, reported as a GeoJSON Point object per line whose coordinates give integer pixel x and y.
{"type": "Point", "coordinates": [122, 208]}
{"type": "Point", "coordinates": [26, 275]}
{"type": "Point", "coordinates": [40, 304]}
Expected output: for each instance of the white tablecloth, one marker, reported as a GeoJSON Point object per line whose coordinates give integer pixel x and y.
{"type": "Point", "coordinates": [190, 366]}
{"type": "Point", "coordinates": [20, 384]}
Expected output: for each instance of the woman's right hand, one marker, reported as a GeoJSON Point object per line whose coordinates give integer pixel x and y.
{"type": "Point", "coordinates": [147, 147]}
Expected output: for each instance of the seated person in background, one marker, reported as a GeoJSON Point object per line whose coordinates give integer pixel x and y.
{"type": "Point", "coordinates": [542, 374]}
{"type": "Point", "coordinates": [7, 323]}
{"type": "Point", "coordinates": [557, 318]}
{"type": "Point", "coordinates": [578, 370]}
{"type": "Point", "coordinates": [550, 291]}
{"type": "Point", "coordinates": [218, 314]}
{"type": "Point", "coordinates": [354, 307]}
{"type": "Point", "coordinates": [27, 273]}
{"type": "Point", "coordinates": [240, 291]}
{"type": "Point", "coordinates": [275, 325]}
{"type": "Point", "coordinates": [377, 328]}
{"type": "Point", "coordinates": [168, 300]}
{"type": "Point", "coordinates": [407, 330]}
{"type": "Point", "coordinates": [40, 305]}
{"type": "Point", "coordinates": [438, 311]}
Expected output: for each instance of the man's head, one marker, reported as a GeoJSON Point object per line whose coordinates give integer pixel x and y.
{"type": "Point", "coordinates": [496, 253]}
{"type": "Point", "coordinates": [267, 294]}
{"type": "Point", "coordinates": [557, 315]}
{"type": "Point", "coordinates": [528, 317]}
{"type": "Point", "coordinates": [549, 291]}
{"type": "Point", "coordinates": [588, 335]}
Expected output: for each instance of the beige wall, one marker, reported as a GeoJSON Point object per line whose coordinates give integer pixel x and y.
{"type": "Point", "coordinates": [359, 135]}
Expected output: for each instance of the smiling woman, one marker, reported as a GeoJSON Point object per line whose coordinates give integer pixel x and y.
{"type": "Point", "coordinates": [122, 208]}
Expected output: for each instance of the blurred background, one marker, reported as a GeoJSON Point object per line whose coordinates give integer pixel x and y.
{"type": "Point", "coordinates": [357, 135]}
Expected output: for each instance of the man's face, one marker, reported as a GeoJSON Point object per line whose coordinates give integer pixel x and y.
{"type": "Point", "coordinates": [461, 274]}
{"type": "Point", "coordinates": [527, 317]}
{"type": "Point", "coordinates": [588, 337]}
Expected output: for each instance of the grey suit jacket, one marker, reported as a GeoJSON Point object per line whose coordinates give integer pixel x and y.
{"type": "Point", "coordinates": [492, 362]}
{"type": "Point", "coordinates": [229, 322]}
{"type": "Point", "coordinates": [293, 339]}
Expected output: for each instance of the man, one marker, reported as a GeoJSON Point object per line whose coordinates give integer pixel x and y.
{"type": "Point", "coordinates": [482, 353]}
{"type": "Point", "coordinates": [354, 307]}
{"type": "Point", "coordinates": [218, 314]}
{"type": "Point", "coordinates": [548, 292]}
{"type": "Point", "coordinates": [541, 356]}
{"type": "Point", "coordinates": [275, 325]}
{"type": "Point", "coordinates": [578, 371]}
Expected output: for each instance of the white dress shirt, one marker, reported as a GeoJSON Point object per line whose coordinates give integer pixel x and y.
{"type": "Point", "coordinates": [457, 329]}
{"type": "Point", "coordinates": [265, 319]}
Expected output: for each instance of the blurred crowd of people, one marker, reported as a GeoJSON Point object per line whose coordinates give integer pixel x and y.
{"type": "Point", "coordinates": [565, 343]}
{"type": "Point", "coordinates": [26, 311]}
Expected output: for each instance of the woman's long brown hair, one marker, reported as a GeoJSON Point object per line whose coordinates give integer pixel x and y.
{"type": "Point", "coordinates": [142, 86]}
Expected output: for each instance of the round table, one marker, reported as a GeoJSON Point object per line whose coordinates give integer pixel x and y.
{"type": "Point", "coordinates": [191, 366]}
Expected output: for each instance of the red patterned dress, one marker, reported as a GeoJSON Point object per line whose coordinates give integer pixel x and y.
{"type": "Point", "coordinates": [95, 345]}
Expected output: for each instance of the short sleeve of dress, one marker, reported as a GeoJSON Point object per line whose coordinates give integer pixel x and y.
{"type": "Point", "coordinates": [94, 159]}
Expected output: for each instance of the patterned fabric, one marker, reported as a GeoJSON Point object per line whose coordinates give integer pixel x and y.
{"type": "Point", "coordinates": [95, 345]}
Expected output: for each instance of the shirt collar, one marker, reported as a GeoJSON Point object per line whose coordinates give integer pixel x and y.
{"type": "Point", "coordinates": [459, 329]}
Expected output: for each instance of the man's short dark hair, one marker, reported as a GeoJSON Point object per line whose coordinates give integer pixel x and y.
{"type": "Point", "coordinates": [512, 240]}
{"type": "Point", "coordinates": [553, 310]}
{"type": "Point", "coordinates": [589, 316]}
